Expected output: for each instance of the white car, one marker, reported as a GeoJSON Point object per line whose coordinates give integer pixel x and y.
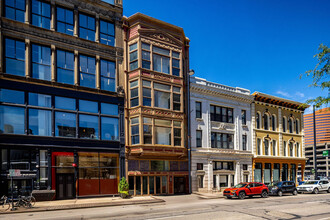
{"type": "Point", "coordinates": [314, 186]}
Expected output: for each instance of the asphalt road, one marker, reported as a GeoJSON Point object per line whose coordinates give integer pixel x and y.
{"type": "Point", "coordinates": [306, 206]}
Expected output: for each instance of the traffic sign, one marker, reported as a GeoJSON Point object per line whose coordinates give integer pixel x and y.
{"type": "Point", "coordinates": [313, 170]}
{"type": "Point", "coordinates": [325, 153]}
{"type": "Point", "coordinates": [14, 173]}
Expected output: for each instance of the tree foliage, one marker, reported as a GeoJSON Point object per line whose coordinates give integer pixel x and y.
{"type": "Point", "coordinates": [320, 75]}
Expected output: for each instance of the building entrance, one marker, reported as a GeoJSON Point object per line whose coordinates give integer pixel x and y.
{"type": "Point", "coordinates": [65, 186]}
{"type": "Point", "coordinates": [179, 185]}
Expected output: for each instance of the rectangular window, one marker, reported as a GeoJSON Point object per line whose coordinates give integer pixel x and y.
{"type": "Point", "coordinates": [109, 109]}
{"type": "Point", "coordinates": [221, 114]}
{"type": "Point", "coordinates": [88, 127]}
{"type": "Point", "coordinates": [41, 14]}
{"type": "Point", "coordinates": [146, 93]}
{"type": "Point", "coordinates": [274, 148]}
{"type": "Point", "coordinates": [133, 57]}
{"type": "Point", "coordinates": [135, 134]}
{"type": "Point", "coordinates": [65, 67]}
{"type": "Point", "coordinates": [12, 96]}
{"type": "Point", "coordinates": [87, 27]}
{"type": "Point", "coordinates": [163, 132]}
{"type": "Point", "coordinates": [15, 9]}
{"type": "Point", "coordinates": [41, 62]}
{"type": "Point", "coordinates": [146, 56]}
{"type": "Point", "coordinates": [12, 120]}
{"type": "Point", "coordinates": [40, 122]}
{"type": "Point", "coordinates": [134, 90]}
{"type": "Point", "coordinates": [65, 103]}
{"type": "Point", "coordinates": [107, 33]}
{"type": "Point", "coordinates": [64, 21]}
{"type": "Point", "coordinates": [176, 98]}
{"type": "Point", "coordinates": [41, 100]}
{"type": "Point", "coordinates": [198, 138]}
{"type": "Point", "coordinates": [244, 141]}
{"type": "Point", "coordinates": [243, 117]}
{"type": "Point", "coordinates": [109, 129]}
{"type": "Point", "coordinates": [224, 141]}
{"type": "Point", "coordinates": [88, 106]}
{"type": "Point", "coordinates": [175, 66]}
{"type": "Point", "coordinates": [258, 147]}
{"type": "Point", "coordinates": [108, 75]}
{"type": "Point", "coordinates": [147, 130]}
{"type": "Point", "coordinates": [87, 71]}
{"type": "Point", "coordinates": [245, 167]}
{"type": "Point", "coordinates": [14, 57]}
{"type": "Point", "coordinates": [177, 133]}
{"type": "Point", "coordinates": [161, 63]}
{"type": "Point", "coordinates": [162, 96]}
{"type": "Point", "coordinates": [266, 143]}
{"type": "Point", "coordinates": [284, 148]}
{"type": "Point", "coordinates": [65, 124]}
{"type": "Point", "coordinates": [199, 166]}
{"type": "Point", "coordinates": [198, 110]}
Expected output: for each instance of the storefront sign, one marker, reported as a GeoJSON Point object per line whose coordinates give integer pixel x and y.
{"type": "Point", "coordinates": [14, 173]}
{"type": "Point", "coordinates": [325, 153]}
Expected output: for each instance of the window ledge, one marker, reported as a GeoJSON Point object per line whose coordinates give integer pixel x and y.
{"type": "Point", "coordinates": [199, 119]}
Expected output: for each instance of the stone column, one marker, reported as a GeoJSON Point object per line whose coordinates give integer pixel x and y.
{"type": "Point", "coordinates": [210, 176]}
{"type": "Point", "coordinates": [53, 16]}
{"type": "Point", "coordinates": [27, 58]}
{"type": "Point", "coordinates": [76, 67]}
{"type": "Point", "coordinates": [281, 167]}
{"type": "Point", "coordinates": [27, 12]}
{"type": "Point", "coordinates": [98, 72]}
{"type": "Point", "coordinates": [218, 182]}
{"type": "Point", "coordinates": [97, 30]}
{"type": "Point", "coordinates": [76, 24]}
{"type": "Point", "coordinates": [53, 64]}
{"type": "Point", "coordinates": [229, 180]}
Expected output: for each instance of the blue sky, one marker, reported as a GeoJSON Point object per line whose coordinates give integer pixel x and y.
{"type": "Point", "coordinates": [260, 45]}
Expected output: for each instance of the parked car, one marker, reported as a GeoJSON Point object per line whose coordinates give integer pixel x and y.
{"type": "Point", "coordinates": [314, 186]}
{"type": "Point", "coordinates": [246, 189]}
{"type": "Point", "coordinates": [278, 188]}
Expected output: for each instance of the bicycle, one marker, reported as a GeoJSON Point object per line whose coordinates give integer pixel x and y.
{"type": "Point", "coordinates": [25, 201]}
{"type": "Point", "coordinates": [4, 204]}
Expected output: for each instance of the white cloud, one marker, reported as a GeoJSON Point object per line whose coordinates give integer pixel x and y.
{"type": "Point", "coordinates": [308, 110]}
{"type": "Point", "coordinates": [282, 93]}
{"type": "Point", "coordinates": [300, 94]}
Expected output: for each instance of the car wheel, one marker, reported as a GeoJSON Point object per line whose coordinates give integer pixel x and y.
{"type": "Point", "coordinates": [294, 192]}
{"type": "Point", "coordinates": [228, 197]}
{"type": "Point", "coordinates": [264, 194]}
{"type": "Point", "coordinates": [329, 190]}
{"type": "Point", "coordinates": [250, 196]}
{"type": "Point", "coordinates": [241, 195]}
{"type": "Point", "coordinates": [316, 191]}
{"type": "Point", "coordinates": [280, 193]}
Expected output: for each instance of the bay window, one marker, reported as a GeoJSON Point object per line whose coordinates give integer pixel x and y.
{"type": "Point", "coordinates": [133, 57]}
{"type": "Point", "coordinates": [162, 95]}
{"type": "Point", "coordinates": [176, 98]}
{"type": "Point", "coordinates": [135, 131]}
{"type": "Point", "coordinates": [177, 133]}
{"type": "Point", "coordinates": [161, 60]}
{"type": "Point", "coordinates": [146, 56]}
{"type": "Point", "coordinates": [163, 132]}
{"type": "Point", "coordinates": [134, 91]}
{"type": "Point", "coordinates": [175, 63]}
{"type": "Point", "coordinates": [146, 92]}
{"type": "Point", "coordinates": [147, 130]}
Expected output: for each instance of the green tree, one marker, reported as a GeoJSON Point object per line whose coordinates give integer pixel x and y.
{"type": "Point", "coordinates": [320, 75]}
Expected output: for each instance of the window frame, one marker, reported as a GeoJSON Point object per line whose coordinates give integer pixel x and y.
{"type": "Point", "coordinates": [199, 140]}
{"type": "Point", "coordinates": [244, 142]}
{"type": "Point", "coordinates": [220, 136]}
{"type": "Point", "coordinates": [198, 112]}
{"type": "Point", "coordinates": [82, 73]}
{"type": "Point", "coordinates": [87, 28]}
{"type": "Point", "coordinates": [108, 35]}
{"type": "Point", "coordinates": [243, 115]}
{"type": "Point", "coordinates": [137, 86]}
{"type": "Point", "coordinates": [102, 76]}
{"type": "Point", "coordinates": [15, 10]}
{"type": "Point", "coordinates": [131, 51]}
{"type": "Point", "coordinates": [12, 57]}
{"type": "Point", "coordinates": [41, 15]}
{"type": "Point", "coordinates": [66, 23]}
{"type": "Point", "coordinates": [222, 114]}
{"type": "Point", "coordinates": [41, 63]}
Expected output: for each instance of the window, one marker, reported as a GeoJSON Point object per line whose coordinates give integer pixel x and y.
{"type": "Point", "coordinates": [41, 62]}
{"type": "Point", "coordinates": [291, 125]}
{"type": "Point", "coordinates": [134, 90]}
{"type": "Point", "coordinates": [65, 124]}
{"type": "Point", "coordinates": [199, 166]}
{"type": "Point", "coordinates": [135, 138]}
{"type": "Point", "coordinates": [107, 33]}
{"type": "Point", "coordinates": [198, 110]}
{"type": "Point", "coordinates": [87, 27]}
{"type": "Point", "coordinates": [284, 148]}
{"type": "Point", "coordinates": [15, 9]}
{"type": "Point", "coordinates": [14, 57]}
{"type": "Point", "coordinates": [221, 114]}
{"type": "Point", "coordinates": [64, 21]}
{"type": "Point", "coordinates": [41, 14]}
{"type": "Point", "coordinates": [176, 98]}
{"type": "Point", "coordinates": [12, 96]}
{"type": "Point", "coordinates": [175, 63]}
{"type": "Point", "coordinates": [284, 124]}
{"type": "Point", "coordinates": [297, 126]}
{"type": "Point", "coordinates": [40, 122]}
{"type": "Point", "coordinates": [199, 138]}
{"type": "Point", "coordinates": [243, 113]}
{"type": "Point", "coordinates": [244, 141]}
{"type": "Point", "coordinates": [291, 149]}
{"type": "Point", "coordinates": [221, 165]}
{"type": "Point", "coordinates": [65, 67]}
{"type": "Point", "coordinates": [147, 130]}
{"type": "Point", "coordinates": [162, 96]}
{"type": "Point", "coordinates": [163, 132]}
{"type": "Point", "coordinates": [161, 60]}
{"type": "Point", "coordinates": [146, 93]}
{"type": "Point", "coordinates": [274, 148]}
{"type": "Point", "coordinates": [133, 57]}
{"type": "Point", "coordinates": [273, 123]}
{"type": "Point", "coordinates": [146, 56]}
{"type": "Point", "coordinates": [258, 120]}
{"type": "Point", "coordinates": [88, 126]}
{"type": "Point", "coordinates": [245, 167]}
{"type": "Point", "coordinates": [108, 75]}
{"type": "Point", "coordinates": [224, 141]}
{"type": "Point", "coordinates": [12, 120]}
{"type": "Point", "coordinates": [266, 143]}
{"type": "Point", "coordinates": [297, 150]}
{"type": "Point", "coordinates": [177, 133]}
{"type": "Point", "coordinates": [87, 71]}
{"type": "Point", "coordinates": [88, 106]}
{"type": "Point", "coordinates": [40, 100]}
{"type": "Point", "coordinates": [258, 147]}
{"type": "Point", "coordinates": [65, 103]}
{"type": "Point", "coordinates": [266, 122]}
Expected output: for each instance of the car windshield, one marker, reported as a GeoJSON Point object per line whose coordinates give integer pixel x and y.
{"type": "Point", "coordinates": [310, 182]}
{"type": "Point", "coordinates": [240, 185]}
{"type": "Point", "coordinates": [275, 184]}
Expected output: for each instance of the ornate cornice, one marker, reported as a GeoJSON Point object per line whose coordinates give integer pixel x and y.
{"type": "Point", "coordinates": [159, 43]}
{"type": "Point", "coordinates": [156, 113]}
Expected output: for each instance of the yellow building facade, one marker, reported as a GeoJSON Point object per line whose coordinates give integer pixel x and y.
{"type": "Point", "coordinates": [278, 139]}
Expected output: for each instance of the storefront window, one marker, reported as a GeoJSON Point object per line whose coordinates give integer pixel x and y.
{"type": "Point", "coordinates": [88, 127]}
{"type": "Point", "coordinates": [65, 124]}
{"type": "Point", "coordinates": [12, 120]}
{"type": "Point", "coordinates": [40, 122]}
{"type": "Point", "coordinates": [276, 172]}
{"type": "Point", "coordinates": [159, 165]}
{"type": "Point", "coordinates": [267, 172]}
{"type": "Point", "coordinates": [258, 172]}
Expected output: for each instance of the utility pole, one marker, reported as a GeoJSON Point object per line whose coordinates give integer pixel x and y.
{"type": "Point", "coordinates": [315, 156]}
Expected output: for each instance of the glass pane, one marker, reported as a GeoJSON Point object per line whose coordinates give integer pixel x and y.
{"type": "Point", "coordinates": [40, 122]}
{"type": "Point", "coordinates": [145, 46]}
{"type": "Point", "coordinates": [176, 89]}
{"type": "Point", "coordinates": [40, 100]}
{"type": "Point", "coordinates": [108, 84]}
{"type": "Point", "coordinates": [133, 56]}
{"type": "Point", "coordinates": [176, 63]}
{"type": "Point", "coordinates": [157, 62]}
{"type": "Point", "coordinates": [162, 99]}
{"type": "Point", "coordinates": [133, 47]}
{"type": "Point", "coordinates": [164, 184]}
{"type": "Point", "coordinates": [163, 122]}
{"type": "Point", "coordinates": [163, 136]}
{"type": "Point", "coordinates": [20, 159]}
{"type": "Point", "coordinates": [108, 160]}
{"type": "Point", "coordinates": [88, 106]}
{"type": "Point", "coordinates": [160, 50]}
{"type": "Point", "coordinates": [15, 67]}
{"type": "Point", "coordinates": [162, 87]}
{"type": "Point", "coordinates": [11, 96]}
{"type": "Point", "coordinates": [175, 54]}
{"type": "Point", "coordinates": [88, 159]}
{"type": "Point", "coordinates": [65, 76]}
{"type": "Point", "coordinates": [65, 103]}
{"type": "Point", "coordinates": [109, 129]}
{"type": "Point", "coordinates": [12, 120]}
{"type": "Point", "coordinates": [87, 80]}
{"type": "Point", "coordinates": [165, 65]}
{"type": "Point", "coordinates": [151, 185]}
{"type": "Point", "coordinates": [146, 83]}
{"type": "Point", "coordinates": [145, 55]}
{"type": "Point", "coordinates": [88, 127]}
{"type": "Point", "coordinates": [109, 109]}
{"type": "Point", "coordinates": [147, 120]}
{"type": "Point", "coordinates": [177, 123]}
{"type": "Point", "coordinates": [88, 181]}
{"type": "Point", "coordinates": [134, 83]}
{"type": "Point", "coordinates": [135, 120]}
{"type": "Point", "coordinates": [65, 124]}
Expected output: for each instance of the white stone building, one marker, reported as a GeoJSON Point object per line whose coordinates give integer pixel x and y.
{"type": "Point", "coordinates": [221, 142]}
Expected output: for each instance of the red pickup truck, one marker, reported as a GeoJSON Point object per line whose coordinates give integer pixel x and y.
{"type": "Point", "coordinates": [246, 189]}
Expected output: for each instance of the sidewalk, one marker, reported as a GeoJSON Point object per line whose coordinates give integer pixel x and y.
{"type": "Point", "coordinates": [204, 195]}
{"type": "Point", "coordinates": [86, 203]}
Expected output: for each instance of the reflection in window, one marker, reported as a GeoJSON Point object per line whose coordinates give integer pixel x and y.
{"type": "Point", "coordinates": [163, 134]}
{"type": "Point", "coordinates": [109, 109]}
{"type": "Point", "coordinates": [108, 75]}
{"type": "Point", "coordinates": [133, 57]}
{"type": "Point", "coordinates": [161, 63]}
{"type": "Point", "coordinates": [65, 124]}
{"type": "Point", "coordinates": [14, 57]}
{"type": "Point", "coordinates": [87, 71]}
{"type": "Point", "coordinates": [64, 21]}
{"type": "Point", "coordinates": [87, 27]}
{"type": "Point", "coordinates": [65, 103]}
{"type": "Point", "coordinates": [110, 129]}
{"type": "Point", "coordinates": [40, 100]}
{"type": "Point", "coordinates": [88, 126]}
{"type": "Point", "coordinates": [40, 122]}
{"type": "Point", "coordinates": [15, 9]}
{"type": "Point", "coordinates": [11, 96]}
{"type": "Point", "coordinates": [107, 33]}
{"type": "Point", "coordinates": [41, 14]}
{"type": "Point", "coordinates": [12, 120]}
{"type": "Point", "coordinates": [65, 67]}
{"type": "Point", "coordinates": [135, 137]}
{"type": "Point", "coordinates": [41, 62]}
{"type": "Point", "coordinates": [88, 106]}
{"type": "Point", "coordinates": [134, 93]}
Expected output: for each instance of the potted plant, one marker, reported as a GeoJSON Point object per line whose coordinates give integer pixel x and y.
{"type": "Point", "coordinates": [123, 188]}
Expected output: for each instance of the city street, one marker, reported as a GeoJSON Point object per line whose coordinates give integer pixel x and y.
{"type": "Point", "coordinates": [306, 206]}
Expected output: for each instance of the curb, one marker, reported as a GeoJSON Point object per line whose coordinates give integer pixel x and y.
{"type": "Point", "coordinates": [87, 205]}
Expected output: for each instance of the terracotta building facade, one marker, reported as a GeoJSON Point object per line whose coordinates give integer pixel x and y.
{"type": "Point", "coordinates": [157, 61]}
{"type": "Point", "coordinates": [278, 139]}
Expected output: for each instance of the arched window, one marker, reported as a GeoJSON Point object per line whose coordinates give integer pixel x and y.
{"type": "Point", "coordinates": [297, 126]}
{"type": "Point", "coordinates": [291, 125]}
{"type": "Point", "coordinates": [274, 147]}
{"type": "Point", "coordinates": [266, 147]}
{"type": "Point", "coordinates": [273, 123]}
{"type": "Point", "coordinates": [291, 149]}
{"type": "Point", "coordinates": [297, 150]}
{"type": "Point", "coordinates": [266, 122]}
{"type": "Point", "coordinates": [258, 147]}
{"type": "Point", "coordinates": [284, 124]}
{"type": "Point", "coordinates": [258, 120]}
{"type": "Point", "coordinates": [284, 148]}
